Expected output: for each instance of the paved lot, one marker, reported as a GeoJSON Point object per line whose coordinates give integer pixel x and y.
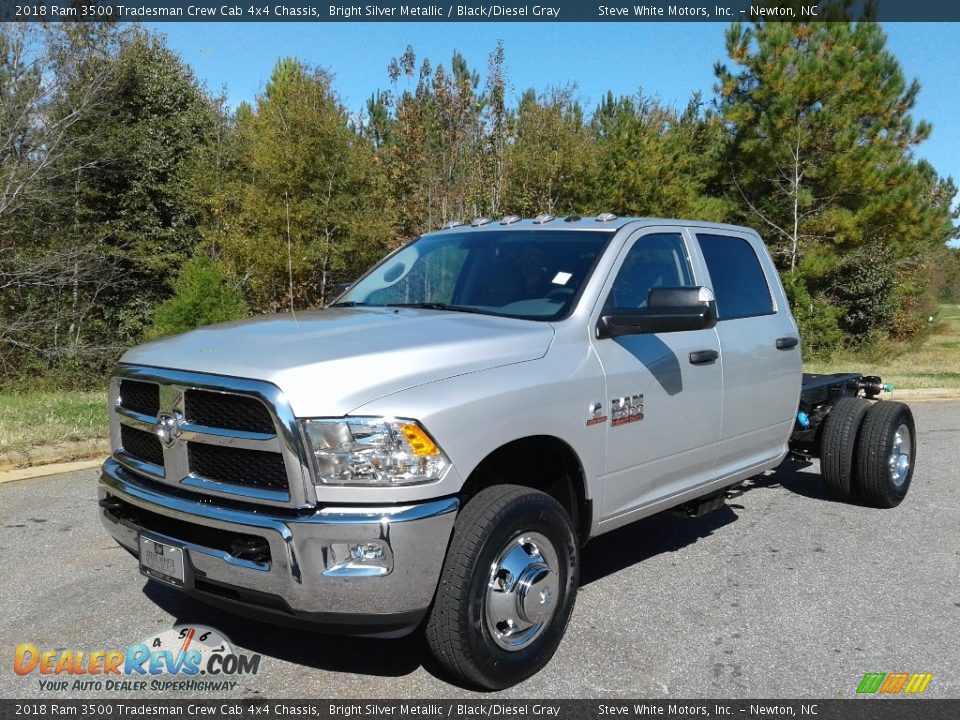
{"type": "Point", "coordinates": [783, 593]}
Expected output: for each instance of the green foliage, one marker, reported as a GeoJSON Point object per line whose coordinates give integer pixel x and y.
{"type": "Point", "coordinates": [378, 123]}
{"type": "Point", "coordinates": [654, 161]}
{"type": "Point", "coordinates": [550, 161]}
{"type": "Point", "coordinates": [306, 206]}
{"type": "Point", "coordinates": [123, 116]}
{"type": "Point", "coordinates": [202, 295]}
{"type": "Point", "coordinates": [862, 288]}
{"type": "Point", "coordinates": [817, 318]}
{"type": "Point", "coordinates": [821, 160]}
{"type": "Point", "coordinates": [950, 291]}
{"type": "Point", "coordinates": [21, 86]}
{"type": "Point", "coordinates": [810, 139]}
{"type": "Point", "coordinates": [441, 163]}
{"type": "Point", "coordinates": [132, 193]}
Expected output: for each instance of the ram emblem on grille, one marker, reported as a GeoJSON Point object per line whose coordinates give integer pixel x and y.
{"type": "Point", "coordinates": [167, 429]}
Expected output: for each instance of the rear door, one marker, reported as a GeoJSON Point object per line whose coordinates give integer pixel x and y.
{"type": "Point", "coordinates": [663, 411]}
{"type": "Point", "coordinates": [760, 347]}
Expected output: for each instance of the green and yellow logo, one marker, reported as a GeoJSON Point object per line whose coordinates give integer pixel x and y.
{"type": "Point", "coordinates": [891, 683]}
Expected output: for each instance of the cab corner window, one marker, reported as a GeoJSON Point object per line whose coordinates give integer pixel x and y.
{"type": "Point", "coordinates": [738, 281]}
{"type": "Point", "coordinates": [657, 260]}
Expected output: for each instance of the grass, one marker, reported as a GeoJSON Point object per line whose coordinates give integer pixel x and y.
{"type": "Point", "coordinates": [46, 417]}
{"type": "Point", "coordinates": [932, 363]}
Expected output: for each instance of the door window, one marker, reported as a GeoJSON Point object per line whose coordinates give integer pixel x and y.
{"type": "Point", "coordinates": [657, 260]}
{"type": "Point", "coordinates": [738, 281]}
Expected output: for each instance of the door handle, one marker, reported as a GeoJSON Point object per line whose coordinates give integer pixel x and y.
{"type": "Point", "coordinates": [786, 343]}
{"type": "Point", "coordinates": [702, 357]}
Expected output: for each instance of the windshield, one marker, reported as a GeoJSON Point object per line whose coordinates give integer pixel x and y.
{"type": "Point", "coordinates": [531, 274]}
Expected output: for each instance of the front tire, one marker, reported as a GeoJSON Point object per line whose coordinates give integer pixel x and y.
{"type": "Point", "coordinates": [886, 454]}
{"type": "Point", "coordinates": [508, 587]}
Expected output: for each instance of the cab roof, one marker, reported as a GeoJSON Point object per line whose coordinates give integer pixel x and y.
{"type": "Point", "coordinates": [603, 222]}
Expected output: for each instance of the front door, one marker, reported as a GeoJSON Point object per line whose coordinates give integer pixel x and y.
{"type": "Point", "coordinates": [663, 407]}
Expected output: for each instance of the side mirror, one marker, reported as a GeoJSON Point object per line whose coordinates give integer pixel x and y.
{"type": "Point", "coordinates": [669, 309]}
{"type": "Point", "coordinates": [341, 289]}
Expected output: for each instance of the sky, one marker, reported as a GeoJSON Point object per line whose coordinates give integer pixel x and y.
{"type": "Point", "coordinates": [667, 60]}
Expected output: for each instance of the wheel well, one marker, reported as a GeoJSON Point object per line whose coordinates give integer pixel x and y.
{"type": "Point", "coordinates": [540, 462]}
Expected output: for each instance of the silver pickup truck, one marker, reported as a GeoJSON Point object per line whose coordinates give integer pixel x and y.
{"type": "Point", "coordinates": [434, 448]}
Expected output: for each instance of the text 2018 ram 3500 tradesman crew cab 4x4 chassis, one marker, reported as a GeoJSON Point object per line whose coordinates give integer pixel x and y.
{"type": "Point", "coordinates": [435, 446]}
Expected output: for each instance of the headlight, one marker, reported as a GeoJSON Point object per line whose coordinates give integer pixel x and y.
{"type": "Point", "coordinates": [372, 451]}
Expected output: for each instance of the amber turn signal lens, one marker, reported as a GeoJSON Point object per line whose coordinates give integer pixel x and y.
{"type": "Point", "coordinates": [420, 442]}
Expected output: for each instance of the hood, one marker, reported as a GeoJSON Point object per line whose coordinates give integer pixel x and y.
{"type": "Point", "coordinates": [329, 362]}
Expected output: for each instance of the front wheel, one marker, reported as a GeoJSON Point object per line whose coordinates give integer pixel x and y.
{"type": "Point", "coordinates": [508, 587]}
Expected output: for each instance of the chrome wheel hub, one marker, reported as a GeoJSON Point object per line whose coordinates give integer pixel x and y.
{"type": "Point", "coordinates": [899, 461]}
{"type": "Point", "coordinates": [522, 591]}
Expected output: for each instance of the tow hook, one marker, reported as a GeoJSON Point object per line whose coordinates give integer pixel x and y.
{"type": "Point", "coordinates": [250, 548]}
{"type": "Point", "coordinates": [110, 504]}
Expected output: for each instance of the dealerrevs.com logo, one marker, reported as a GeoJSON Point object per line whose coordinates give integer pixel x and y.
{"type": "Point", "coordinates": [185, 658]}
{"type": "Point", "coordinates": [893, 683]}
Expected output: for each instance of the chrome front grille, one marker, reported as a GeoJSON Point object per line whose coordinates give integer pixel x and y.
{"type": "Point", "coordinates": [145, 446]}
{"type": "Point", "coordinates": [141, 397]}
{"type": "Point", "coordinates": [237, 466]}
{"type": "Point", "coordinates": [228, 437]}
{"type": "Point", "coordinates": [230, 412]}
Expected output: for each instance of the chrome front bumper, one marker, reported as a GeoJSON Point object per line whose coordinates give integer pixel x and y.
{"type": "Point", "coordinates": [305, 577]}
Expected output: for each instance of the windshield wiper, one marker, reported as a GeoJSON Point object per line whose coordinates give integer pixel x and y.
{"type": "Point", "coordinates": [349, 303]}
{"type": "Point", "coordinates": [436, 306]}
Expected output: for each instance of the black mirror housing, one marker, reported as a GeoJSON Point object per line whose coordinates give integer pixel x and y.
{"type": "Point", "coordinates": [669, 309]}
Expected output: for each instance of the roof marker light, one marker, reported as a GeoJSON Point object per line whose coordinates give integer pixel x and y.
{"type": "Point", "coordinates": [606, 217]}
{"type": "Point", "coordinates": [452, 224]}
{"type": "Point", "coordinates": [542, 218]}
{"type": "Point", "coordinates": [510, 219]}
{"type": "Point", "coordinates": [572, 218]}
{"type": "Point", "coordinates": [480, 222]}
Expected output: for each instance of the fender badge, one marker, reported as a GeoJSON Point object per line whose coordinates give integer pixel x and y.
{"type": "Point", "coordinates": [625, 410]}
{"type": "Point", "coordinates": [597, 418]}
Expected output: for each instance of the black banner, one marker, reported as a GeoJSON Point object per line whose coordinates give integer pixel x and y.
{"type": "Point", "coordinates": [469, 10]}
{"type": "Point", "coordinates": [854, 709]}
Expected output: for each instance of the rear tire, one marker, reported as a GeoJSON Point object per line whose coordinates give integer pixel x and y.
{"type": "Point", "coordinates": [886, 454]}
{"type": "Point", "coordinates": [507, 588]}
{"type": "Point", "coordinates": [838, 446]}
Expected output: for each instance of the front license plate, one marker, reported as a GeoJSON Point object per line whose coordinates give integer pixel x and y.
{"type": "Point", "coordinates": [161, 561]}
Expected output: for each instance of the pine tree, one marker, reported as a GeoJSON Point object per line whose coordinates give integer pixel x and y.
{"type": "Point", "coordinates": [655, 161]}
{"type": "Point", "coordinates": [821, 158]}
{"type": "Point", "coordinates": [122, 114]}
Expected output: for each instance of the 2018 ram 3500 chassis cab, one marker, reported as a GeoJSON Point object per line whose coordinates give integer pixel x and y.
{"type": "Point", "coordinates": [436, 445]}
